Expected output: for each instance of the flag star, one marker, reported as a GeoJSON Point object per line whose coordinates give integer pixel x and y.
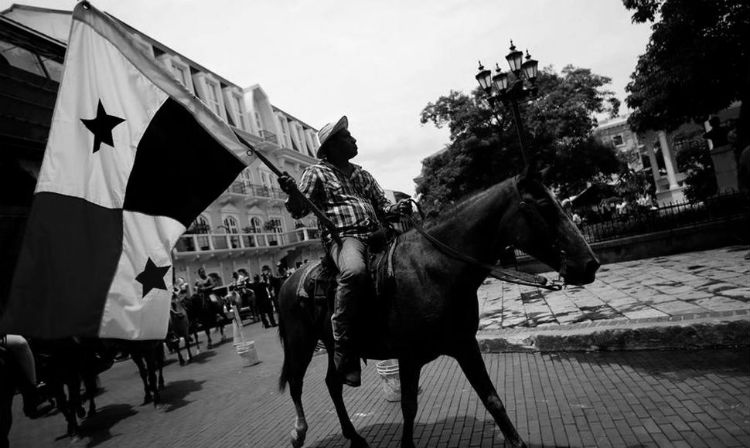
{"type": "Point", "coordinates": [152, 277]}
{"type": "Point", "coordinates": [101, 126]}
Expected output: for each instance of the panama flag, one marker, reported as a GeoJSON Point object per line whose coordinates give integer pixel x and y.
{"type": "Point", "coordinates": [131, 160]}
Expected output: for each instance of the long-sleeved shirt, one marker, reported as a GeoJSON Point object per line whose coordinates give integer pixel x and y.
{"type": "Point", "coordinates": [355, 204]}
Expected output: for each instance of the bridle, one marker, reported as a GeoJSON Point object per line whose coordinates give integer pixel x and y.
{"type": "Point", "coordinates": [506, 275]}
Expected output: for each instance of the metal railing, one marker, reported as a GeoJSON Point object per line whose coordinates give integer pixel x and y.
{"type": "Point", "coordinates": [262, 191]}
{"type": "Point", "coordinates": [606, 224]}
{"type": "Point", "coordinates": [207, 242]}
{"type": "Point", "coordinates": [269, 136]}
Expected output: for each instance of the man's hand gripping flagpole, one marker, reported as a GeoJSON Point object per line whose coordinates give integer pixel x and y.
{"type": "Point", "coordinates": [294, 192]}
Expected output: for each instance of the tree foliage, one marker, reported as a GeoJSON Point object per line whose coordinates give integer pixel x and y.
{"type": "Point", "coordinates": [696, 62]}
{"type": "Point", "coordinates": [484, 148]}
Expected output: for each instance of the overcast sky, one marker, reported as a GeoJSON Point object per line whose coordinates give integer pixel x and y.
{"type": "Point", "coordinates": [380, 62]}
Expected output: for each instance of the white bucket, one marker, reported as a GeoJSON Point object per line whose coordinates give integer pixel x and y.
{"type": "Point", "coordinates": [247, 352]}
{"type": "Point", "coordinates": [388, 371]}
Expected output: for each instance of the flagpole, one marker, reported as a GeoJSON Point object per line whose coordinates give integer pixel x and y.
{"type": "Point", "coordinates": [296, 193]}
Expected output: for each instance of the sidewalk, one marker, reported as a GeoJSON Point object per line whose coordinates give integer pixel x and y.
{"type": "Point", "coordinates": [697, 299]}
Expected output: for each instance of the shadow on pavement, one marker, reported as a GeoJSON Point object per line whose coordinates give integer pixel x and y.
{"type": "Point", "coordinates": [97, 429]}
{"type": "Point", "coordinates": [453, 432]}
{"type": "Point", "coordinates": [202, 357]}
{"type": "Point", "coordinates": [174, 394]}
{"type": "Point", "coordinates": [673, 364]}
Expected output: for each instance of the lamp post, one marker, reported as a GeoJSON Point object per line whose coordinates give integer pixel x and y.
{"type": "Point", "coordinates": [511, 87]}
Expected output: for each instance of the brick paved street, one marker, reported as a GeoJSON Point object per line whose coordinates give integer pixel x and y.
{"type": "Point", "coordinates": [621, 399]}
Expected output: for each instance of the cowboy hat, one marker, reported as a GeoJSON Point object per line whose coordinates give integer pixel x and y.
{"type": "Point", "coordinates": [327, 132]}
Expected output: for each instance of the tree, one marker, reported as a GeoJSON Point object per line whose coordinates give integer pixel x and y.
{"type": "Point", "coordinates": [484, 149]}
{"type": "Point", "coordinates": [697, 62]}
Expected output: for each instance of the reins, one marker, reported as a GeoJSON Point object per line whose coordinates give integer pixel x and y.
{"type": "Point", "coordinates": [506, 275]}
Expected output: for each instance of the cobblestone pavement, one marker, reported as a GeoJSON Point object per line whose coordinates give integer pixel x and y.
{"type": "Point", "coordinates": [706, 283]}
{"type": "Point", "coordinates": [619, 399]}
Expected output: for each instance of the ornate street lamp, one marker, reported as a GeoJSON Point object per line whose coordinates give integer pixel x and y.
{"type": "Point", "coordinates": [511, 87]}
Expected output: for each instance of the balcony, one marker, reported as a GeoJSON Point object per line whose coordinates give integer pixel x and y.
{"type": "Point", "coordinates": [240, 243]}
{"type": "Point", "coordinates": [252, 194]}
{"type": "Point", "coordinates": [269, 136]}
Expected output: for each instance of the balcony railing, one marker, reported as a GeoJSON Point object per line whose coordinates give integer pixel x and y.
{"type": "Point", "coordinates": [269, 136]}
{"type": "Point", "coordinates": [208, 242]}
{"type": "Point", "coordinates": [240, 187]}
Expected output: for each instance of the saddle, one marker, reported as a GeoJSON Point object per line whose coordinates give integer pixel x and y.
{"type": "Point", "coordinates": [318, 279]}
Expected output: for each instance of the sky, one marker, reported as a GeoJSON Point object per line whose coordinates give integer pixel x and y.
{"type": "Point", "coordinates": [381, 62]}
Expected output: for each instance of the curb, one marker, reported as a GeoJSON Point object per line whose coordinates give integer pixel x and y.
{"type": "Point", "coordinates": [669, 335]}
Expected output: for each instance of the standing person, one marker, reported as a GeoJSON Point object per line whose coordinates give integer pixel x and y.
{"type": "Point", "coordinates": [274, 285]}
{"type": "Point", "coordinates": [352, 199]}
{"type": "Point", "coordinates": [263, 299]}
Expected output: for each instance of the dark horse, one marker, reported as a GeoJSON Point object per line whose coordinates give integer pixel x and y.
{"type": "Point", "coordinates": [179, 328]}
{"type": "Point", "coordinates": [434, 308]}
{"type": "Point", "coordinates": [205, 312]}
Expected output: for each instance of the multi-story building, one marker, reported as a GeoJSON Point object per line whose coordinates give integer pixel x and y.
{"type": "Point", "coordinates": [248, 225]}
{"type": "Point", "coordinates": [655, 151]}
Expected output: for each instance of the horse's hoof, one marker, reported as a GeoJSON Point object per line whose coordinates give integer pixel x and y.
{"type": "Point", "coordinates": [359, 442]}
{"type": "Point", "coordinates": [80, 412]}
{"type": "Point", "coordinates": [297, 439]}
{"type": "Point", "coordinates": [182, 362]}
{"type": "Point", "coordinates": [147, 399]}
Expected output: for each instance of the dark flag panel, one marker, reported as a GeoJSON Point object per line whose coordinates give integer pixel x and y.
{"type": "Point", "coordinates": [179, 168]}
{"type": "Point", "coordinates": [67, 262]}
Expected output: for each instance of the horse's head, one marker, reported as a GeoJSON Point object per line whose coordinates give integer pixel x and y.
{"type": "Point", "coordinates": [543, 230]}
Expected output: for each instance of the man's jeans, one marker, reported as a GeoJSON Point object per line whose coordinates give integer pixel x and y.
{"type": "Point", "coordinates": [349, 256]}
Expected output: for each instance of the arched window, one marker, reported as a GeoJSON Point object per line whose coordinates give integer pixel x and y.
{"type": "Point", "coordinates": [232, 226]}
{"type": "Point", "coordinates": [201, 226]}
{"type": "Point", "coordinates": [256, 225]}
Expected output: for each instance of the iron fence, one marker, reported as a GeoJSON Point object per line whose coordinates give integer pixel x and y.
{"type": "Point", "coordinates": [604, 224]}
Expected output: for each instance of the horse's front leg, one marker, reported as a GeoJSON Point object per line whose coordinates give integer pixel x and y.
{"type": "Point", "coordinates": [335, 389]}
{"type": "Point", "coordinates": [470, 359]}
{"type": "Point", "coordinates": [408, 372]}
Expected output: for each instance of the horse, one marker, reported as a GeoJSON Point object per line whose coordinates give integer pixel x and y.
{"type": "Point", "coordinates": [205, 313]}
{"type": "Point", "coordinates": [179, 328]}
{"type": "Point", "coordinates": [432, 309]}
{"type": "Point", "coordinates": [65, 364]}
{"type": "Point", "coordinates": [148, 356]}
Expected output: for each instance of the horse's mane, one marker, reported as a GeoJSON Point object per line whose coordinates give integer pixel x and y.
{"type": "Point", "coordinates": [466, 202]}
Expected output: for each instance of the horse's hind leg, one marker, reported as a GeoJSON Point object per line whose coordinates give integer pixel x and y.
{"type": "Point", "coordinates": [409, 377]}
{"type": "Point", "coordinates": [470, 359]}
{"type": "Point", "coordinates": [297, 370]}
{"type": "Point", "coordinates": [335, 389]}
{"type": "Point", "coordinates": [138, 360]}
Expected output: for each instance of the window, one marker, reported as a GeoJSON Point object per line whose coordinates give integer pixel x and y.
{"type": "Point", "coordinates": [201, 226]}
{"type": "Point", "coordinates": [231, 226]}
{"type": "Point", "coordinates": [212, 96]}
{"type": "Point", "coordinates": [54, 69]}
{"type": "Point", "coordinates": [284, 124]}
{"type": "Point", "coordinates": [209, 91]}
{"type": "Point", "coordinates": [246, 176]}
{"type": "Point", "coordinates": [274, 225]}
{"type": "Point", "coordinates": [258, 122]}
{"type": "Point", "coordinates": [256, 225]}
{"type": "Point", "coordinates": [617, 140]}
{"type": "Point", "coordinates": [183, 75]}
{"type": "Point", "coordinates": [265, 178]}
{"type": "Point", "coordinates": [235, 108]}
{"type": "Point", "coordinates": [21, 58]}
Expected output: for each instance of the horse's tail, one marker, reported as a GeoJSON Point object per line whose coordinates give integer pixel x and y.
{"type": "Point", "coordinates": [291, 327]}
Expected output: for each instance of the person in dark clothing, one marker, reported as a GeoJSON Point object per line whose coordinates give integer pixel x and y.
{"type": "Point", "coordinates": [263, 301]}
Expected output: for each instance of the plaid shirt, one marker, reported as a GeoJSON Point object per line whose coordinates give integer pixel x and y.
{"type": "Point", "coordinates": [355, 204]}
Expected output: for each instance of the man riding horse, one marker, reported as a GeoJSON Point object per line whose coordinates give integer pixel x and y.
{"type": "Point", "coordinates": [352, 199]}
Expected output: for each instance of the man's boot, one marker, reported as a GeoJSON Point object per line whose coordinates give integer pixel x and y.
{"type": "Point", "coordinates": [346, 361]}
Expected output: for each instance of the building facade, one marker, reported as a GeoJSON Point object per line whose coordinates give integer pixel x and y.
{"type": "Point", "coordinates": [248, 225]}
{"type": "Point", "coordinates": [656, 151]}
